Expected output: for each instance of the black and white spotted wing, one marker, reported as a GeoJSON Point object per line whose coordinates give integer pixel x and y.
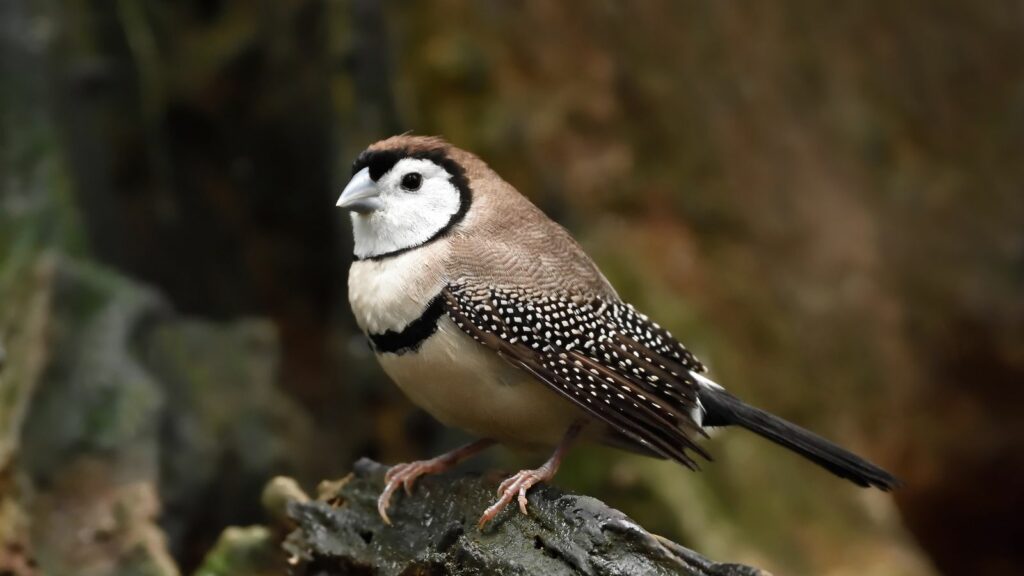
{"type": "Point", "coordinates": [612, 361]}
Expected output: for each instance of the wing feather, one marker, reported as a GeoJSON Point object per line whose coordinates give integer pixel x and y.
{"type": "Point", "coordinates": [590, 352]}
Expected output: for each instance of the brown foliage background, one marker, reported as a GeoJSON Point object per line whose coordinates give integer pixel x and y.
{"type": "Point", "coordinates": [824, 200]}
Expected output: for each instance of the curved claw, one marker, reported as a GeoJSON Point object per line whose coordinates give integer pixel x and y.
{"type": "Point", "coordinates": [384, 500]}
{"type": "Point", "coordinates": [403, 475]}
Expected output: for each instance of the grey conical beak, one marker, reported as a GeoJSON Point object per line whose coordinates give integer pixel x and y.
{"type": "Point", "coordinates": [360, 194]}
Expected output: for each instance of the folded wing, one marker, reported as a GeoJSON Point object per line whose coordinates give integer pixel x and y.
{"type": "Point", "coordinates": [598, 353]}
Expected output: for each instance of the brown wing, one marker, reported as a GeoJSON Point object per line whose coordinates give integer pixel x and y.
{"type": "Point", "coordinates": [601, 355]}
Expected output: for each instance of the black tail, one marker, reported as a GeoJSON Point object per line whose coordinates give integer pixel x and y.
{"type": "Point", "coordinates": [724, 409]}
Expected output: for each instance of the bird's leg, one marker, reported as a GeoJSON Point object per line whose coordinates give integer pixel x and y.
{"type": "Point", "coordinates": [519, 483]}
{"type": "Point", "coordinates": [406, 474]}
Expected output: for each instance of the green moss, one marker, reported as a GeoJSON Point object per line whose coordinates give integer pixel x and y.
{"type": "Point", "coordinates": [251, 551]}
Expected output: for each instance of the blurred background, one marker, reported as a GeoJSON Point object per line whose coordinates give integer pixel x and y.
{"type": "Point", "coordinates": [825, 201]}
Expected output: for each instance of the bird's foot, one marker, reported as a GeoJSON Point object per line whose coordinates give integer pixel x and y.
{"type": "Point", "coordinates": [405, 475]}
{"type": "Point", "coordinates": [516, 485]}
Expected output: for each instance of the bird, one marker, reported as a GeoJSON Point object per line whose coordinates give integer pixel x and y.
{"type": "Point", "coordinates": [491, 317]}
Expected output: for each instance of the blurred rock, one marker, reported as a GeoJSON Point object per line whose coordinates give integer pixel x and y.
{"type": "Point", "coordinates": [118, 412]}
{"type": "Point", "coordinates": [94, 398]}
{"type": "Point", "coordinates": [227, 427]}
{"type": "Point", "coordinates": [88, 447]}
{"type": "Point", "coordinates": [93, 522]}
{"type": "Point", "coordinates": [434, 532]}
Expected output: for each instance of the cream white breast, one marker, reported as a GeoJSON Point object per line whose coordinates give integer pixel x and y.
{"type": "Point", "coordinates": [388, 294]}
{"type": "Point", "coordinates": [464, 385]}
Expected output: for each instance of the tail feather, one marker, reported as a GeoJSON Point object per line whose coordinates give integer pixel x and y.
{"type": "Point", "coordinates": [723, 409]}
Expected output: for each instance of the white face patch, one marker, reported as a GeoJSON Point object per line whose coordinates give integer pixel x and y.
{"type": "Point", "coordinates": [406, 218]}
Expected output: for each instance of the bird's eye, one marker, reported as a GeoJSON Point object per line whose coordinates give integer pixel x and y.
{"type": "Point", "coordinates": [412, 181]}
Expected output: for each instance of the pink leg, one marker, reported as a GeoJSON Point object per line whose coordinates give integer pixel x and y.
{"type": "Point", "coordinates": [519, 483]}
{"type": "Point", "coordinates": [406, 474]}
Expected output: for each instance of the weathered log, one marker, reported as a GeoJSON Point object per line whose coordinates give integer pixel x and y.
{"type": "Point", "coordinates": [435, 532]}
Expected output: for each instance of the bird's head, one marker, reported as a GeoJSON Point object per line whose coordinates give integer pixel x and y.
{"type": "Point", "coordinates": [405, 191]}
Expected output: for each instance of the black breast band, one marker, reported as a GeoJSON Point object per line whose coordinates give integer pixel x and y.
{"type": "Point", "coordinates": [413, 335]}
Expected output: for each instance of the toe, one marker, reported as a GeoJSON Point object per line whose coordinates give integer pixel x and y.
{"type": "Point", "coordinates": [522, 500]}
{"type": "Point", "coordinates": [393, 471]}
{"type": "Point", "coordinates": [491, 512]}
{"type": "Point", "coordinates": [497, 507]}
{"type": "Point", "coordinates": [408, 482]}
{"type": "Point", "coordinates": [509, 482]}
{"type": "Point", "coordinates": [515, 486]}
